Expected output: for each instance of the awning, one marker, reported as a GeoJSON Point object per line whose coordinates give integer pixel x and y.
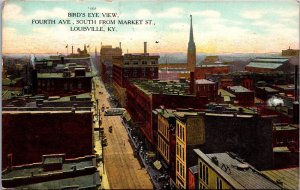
{"type": "Point", "coordinates": [157, 164]}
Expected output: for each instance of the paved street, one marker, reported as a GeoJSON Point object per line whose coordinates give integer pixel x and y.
{"type": "Point", "coordinates": [122, 169]}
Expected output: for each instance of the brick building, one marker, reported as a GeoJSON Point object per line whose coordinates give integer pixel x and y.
{"type": "Point", "coordinates": [206, 88]}
{"type": "Point", "coordinates": [243, 96]}
{"type": "Point", "coordinates": [143, 96]}
{"type": "Point", "coordinates": [107, 53]}
{"type": "Point", "coordinates": [204, 70]}
{"type": "Point", "coordinates": [65, 83]}
{"type": "Point", "coordinates": [166, 139]}
{"type": "Point", "coordinates": [132, 66]}
{"type": "Point", "coordinates": [48, 132]}
{"type": "Point", "coordinates": [54, 172]}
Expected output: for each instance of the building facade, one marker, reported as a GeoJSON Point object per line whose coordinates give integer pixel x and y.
{"type": "Point", "coordinates": [189, 135]}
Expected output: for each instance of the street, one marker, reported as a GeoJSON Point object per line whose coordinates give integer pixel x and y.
{"type": "Point", "coordinates": [123, 170]}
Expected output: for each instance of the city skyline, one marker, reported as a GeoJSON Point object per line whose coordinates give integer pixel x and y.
{"type": "Point", "coordinates": [219, 27]}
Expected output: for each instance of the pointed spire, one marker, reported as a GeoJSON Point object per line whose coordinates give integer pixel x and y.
{"type": "Point", "coordinates": [191, 40]}
{"type": "Point", "coordinates": [191, 30]}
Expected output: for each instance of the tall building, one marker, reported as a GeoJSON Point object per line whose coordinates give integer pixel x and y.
{"type": "Point", "coordinates": [191, 54]}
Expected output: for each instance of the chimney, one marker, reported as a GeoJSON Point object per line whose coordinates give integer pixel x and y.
{"type": "Point", "coordinates": [192, 82]}
{"type": "Point", "coordinates": [120, 45]}
{"type": "Point", "coordinates": [72, 49]}
{"type": "Point", "coordinates": [145, 47]}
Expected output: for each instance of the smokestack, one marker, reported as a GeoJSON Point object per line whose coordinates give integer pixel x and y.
{"type": "Point", "coordinates": [72, 49]}
{"type": "Point", "coordinates": [296, 94]}
{"type": "Point", "coordinates": [145, 47]}
{"type": "Point", "coordinates": [120, 45]}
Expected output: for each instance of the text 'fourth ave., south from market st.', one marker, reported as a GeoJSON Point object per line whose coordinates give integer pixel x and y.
{"type": "Point", "coordinates": [92, 22]}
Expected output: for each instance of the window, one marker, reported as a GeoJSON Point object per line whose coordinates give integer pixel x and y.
{"type": "Point", "coordinates": [135, 72]}
{"type": "Point", "coordinates": [144, 62]}
{"type": "Point", "coordinates": [219, 184]}
{"type": "Point", "coordinates": [135, 62]}
{"type": "Point", "coordinates": [203, 173]}
{"type": "Point", "coordinates": [126, 63]}
{"type": "Point", "coordinates": [144, 72]}
{"type": "Point", "coordinates": [153, 62]}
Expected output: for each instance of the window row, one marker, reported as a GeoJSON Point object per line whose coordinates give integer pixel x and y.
{"type": "Point", "coordinates": [180, 151]}
{"type": "Point", "coordinates": [163, 148]}
{"type": "Point", "coordinates": [180, 168]}
{"type": "Point", "coordinates": [180, 131]}
{"type": "Point", "coordinates": [203, 173]}
{"type": "Point", "coordinates": [163, 128]}
{"type": "Point", "coordinates": [143, 62]}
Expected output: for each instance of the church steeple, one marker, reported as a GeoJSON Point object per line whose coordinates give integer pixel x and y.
{"type": "Point", "coordinates": [191, 54]}
{"type": "Point", "coordinates": [191, 41]}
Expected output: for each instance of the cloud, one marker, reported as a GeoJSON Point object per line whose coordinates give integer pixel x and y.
{"type": "Point", "coordinates": [253, 14]}
{"type": "Point", "coordinates": [143, 13]}
{"type": "Point", "coordinates": [207, 13]}
{"type": "Point", "coordinates": [14, 12]}
{"type": "Point", "coordinates": [179, 26]}
{"type": "Point", "coordinates": [174, 12]}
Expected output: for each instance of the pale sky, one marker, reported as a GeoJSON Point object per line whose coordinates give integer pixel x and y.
{"type": "Point", "coordinates": [219, 27]}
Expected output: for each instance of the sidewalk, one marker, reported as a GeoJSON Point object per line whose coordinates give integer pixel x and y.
{"type": "Point", "coordinates": [97, 143]}
{"type": "Point", "coordinates": [153, 173]}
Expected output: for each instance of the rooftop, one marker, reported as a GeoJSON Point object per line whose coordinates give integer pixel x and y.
{"type": "Point", "coordinates": [166, 113]}
{"type": "Point", "coordinates": [194, 169]}
{"type": "Point", "coordinates": [60, 75]}
{"type": "Point", "coordinates": [271, 60]}
{"type": "Point", "coordinates": [264, 65]}
{"type": "Point", "coordinates": [165, 87]}
{"type": "Point", "coordinates": [238, 173]}
{"type": "Point", "coordinates": [268, 89]}
{"type": "Point", "coordinates": [289, 177]}
{"type": "Point", "coordinates": [203, 81]}
{"type": "Point", "coordinates": [212, 65]}
{"type": "Point", "coordinates": [238, 89]}
{"type": "Point", "coordinates": [82, 170]}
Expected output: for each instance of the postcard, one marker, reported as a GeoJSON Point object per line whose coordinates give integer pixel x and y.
{"type": "Point", "coordinates": [150, 94]}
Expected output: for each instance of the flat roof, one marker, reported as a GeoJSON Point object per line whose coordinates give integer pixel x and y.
{"type": "Point", "coordinates": [238, 173]}
{"type": "Point", "coordinates": [289, 177]}
{"type": "Point", "coordinates": [170, 87]}
{"type": "Point", "coordinates": [35, 168]}
{"type": "Point", "coordinates": [82, 179]}
{"type": "Point", "coordinates": [223, 92]}
{"type": "Point", "coordinates": [212, 65]}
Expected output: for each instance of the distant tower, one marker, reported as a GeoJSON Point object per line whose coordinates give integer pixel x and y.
{"type": "Point", "coordinates": [191, 54]}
